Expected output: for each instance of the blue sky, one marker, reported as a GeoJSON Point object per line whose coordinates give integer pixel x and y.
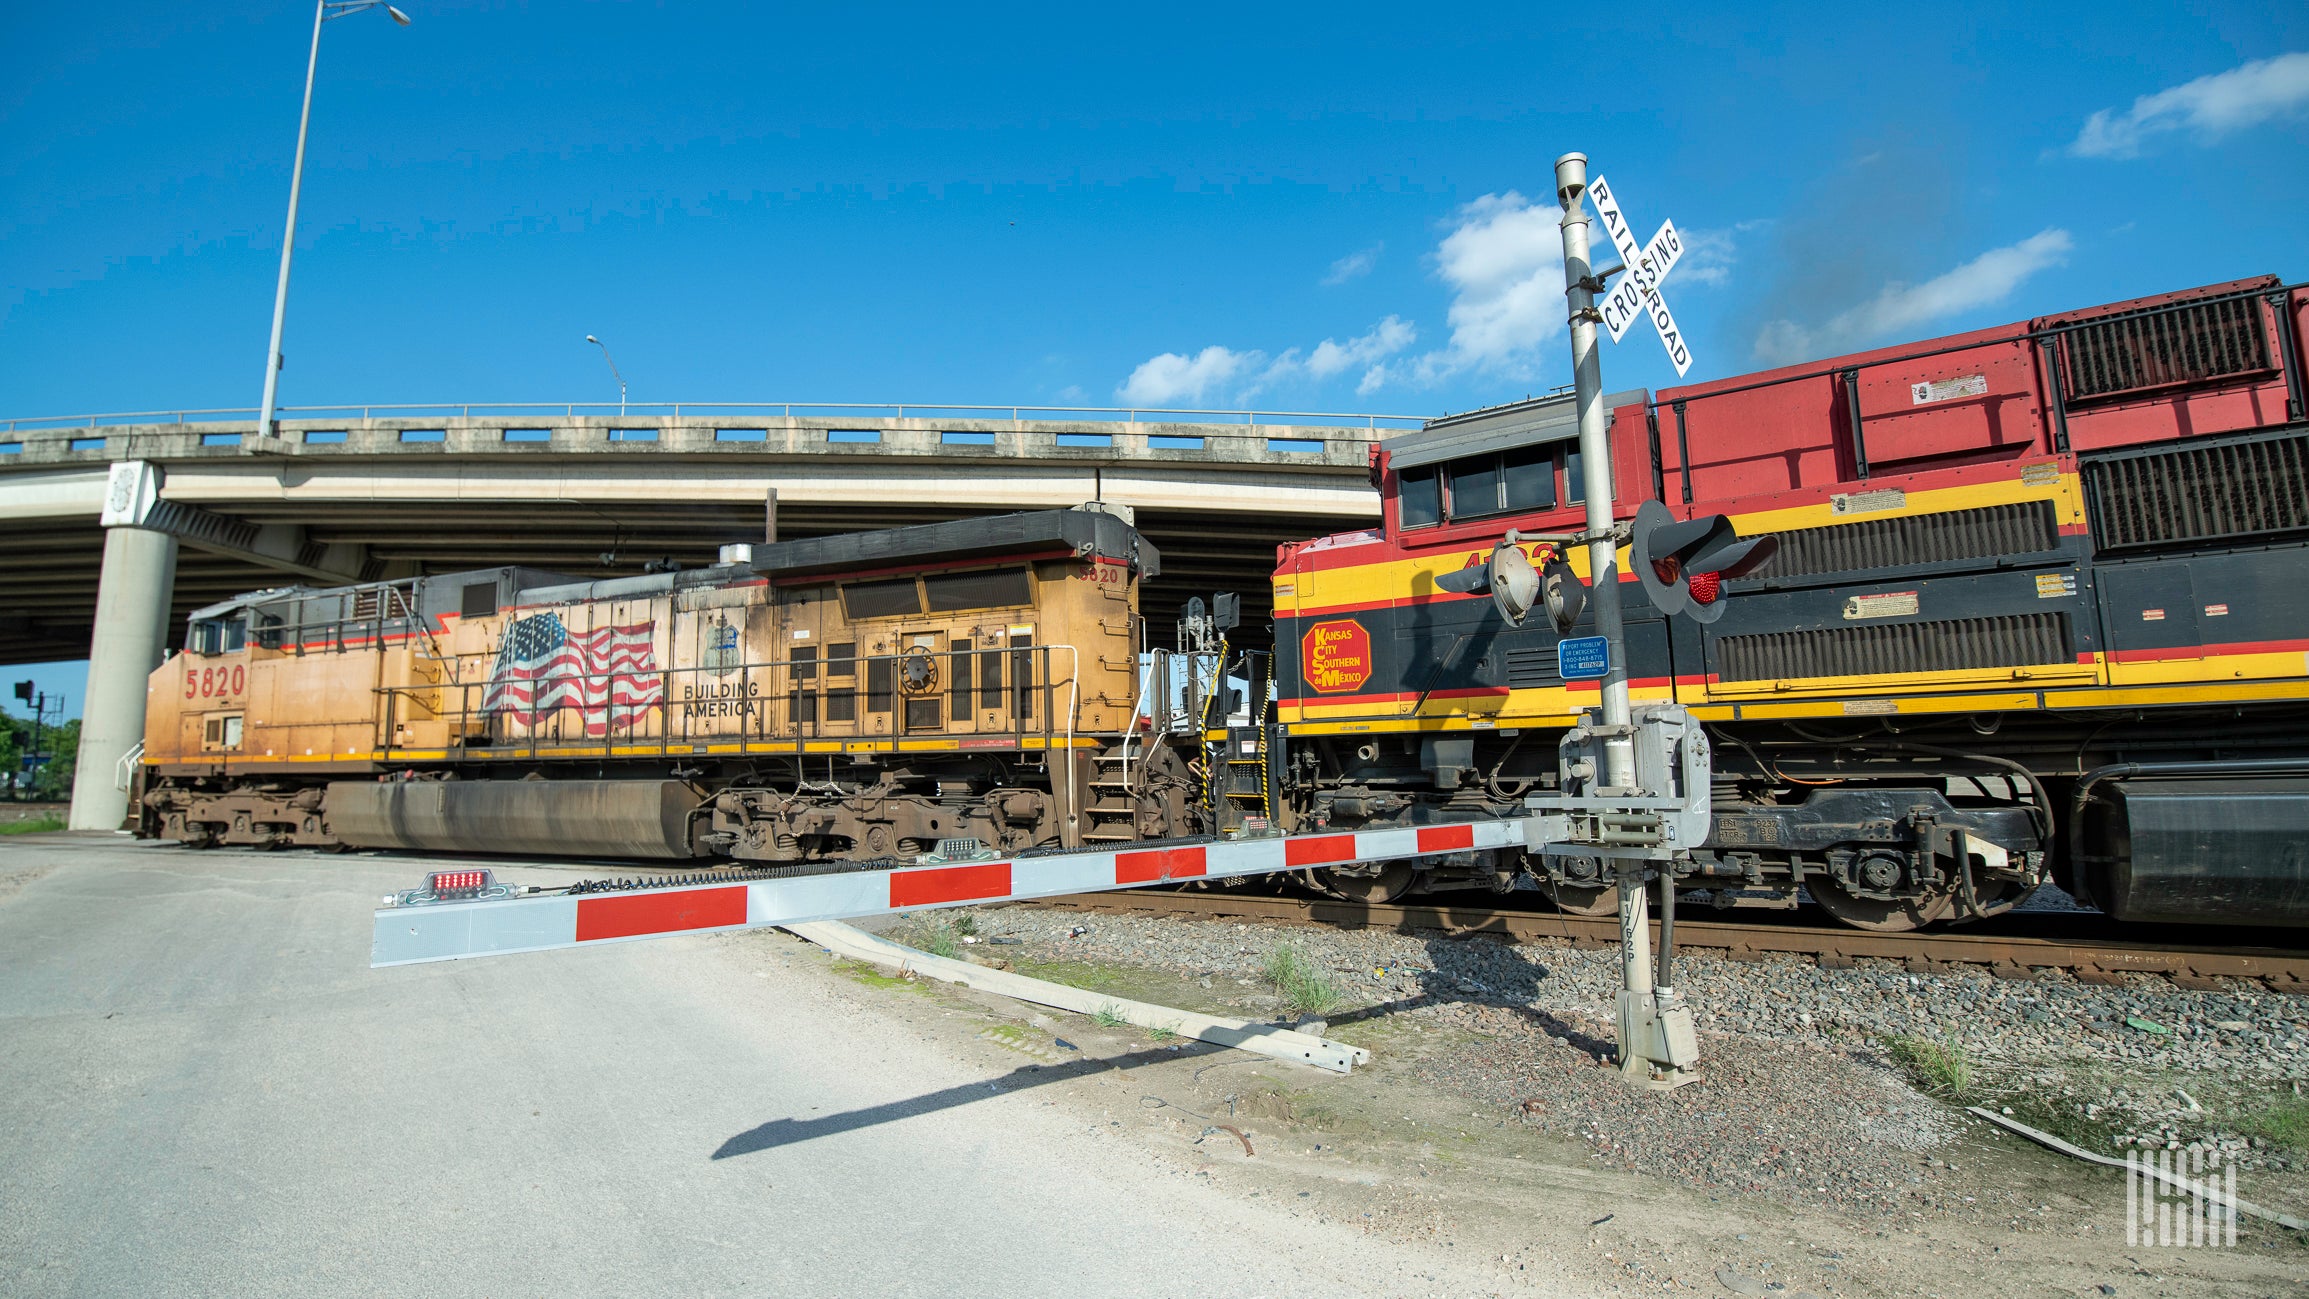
{"type": "Point", "coordinates": [1082, 205]}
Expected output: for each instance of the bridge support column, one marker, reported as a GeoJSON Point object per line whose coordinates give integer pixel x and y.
{"type": "Point", "coordinates": [132, 603]}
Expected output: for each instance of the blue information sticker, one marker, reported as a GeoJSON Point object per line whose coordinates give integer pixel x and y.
{"type": "Point", "coordinates": [1583, 658]}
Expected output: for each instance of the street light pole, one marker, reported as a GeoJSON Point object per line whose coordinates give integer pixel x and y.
{"type": "Point", "coordinates": [323, 10]}
{"type": "Point", "coordinates": [613, 372]}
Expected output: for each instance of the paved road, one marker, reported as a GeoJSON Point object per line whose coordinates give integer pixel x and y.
{"type": "Point", "coordinates": [207, 1091]}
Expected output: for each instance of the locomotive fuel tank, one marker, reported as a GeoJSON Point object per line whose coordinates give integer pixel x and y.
{"type": "Point", "coordinates": [619, 818]}
{"type": "Point", "coordinates": [2200, 851]}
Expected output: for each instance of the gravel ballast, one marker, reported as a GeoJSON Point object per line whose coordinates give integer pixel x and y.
{"type": "Point", "coordinates": [1800, 1098]}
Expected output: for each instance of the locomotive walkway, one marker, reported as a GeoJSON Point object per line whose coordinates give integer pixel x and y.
{"type": "Point", "coordinates": [367, 493]}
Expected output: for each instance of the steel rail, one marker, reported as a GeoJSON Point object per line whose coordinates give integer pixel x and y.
{"type": "Point", "coordinates": [2004, 955]}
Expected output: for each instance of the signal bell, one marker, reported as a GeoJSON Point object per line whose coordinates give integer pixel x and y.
{"type": "Point", "coordinates": [1683, 563]}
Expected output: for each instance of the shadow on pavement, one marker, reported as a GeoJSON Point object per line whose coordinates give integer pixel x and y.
{"type": "Point", "coordinates": [787, 1132]}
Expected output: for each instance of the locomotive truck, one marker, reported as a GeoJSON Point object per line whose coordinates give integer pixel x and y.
{"type": "Point", "coordinates": [2033, 616]}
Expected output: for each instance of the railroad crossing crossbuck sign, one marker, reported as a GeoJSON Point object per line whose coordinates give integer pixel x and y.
{"type": "Point", "coordinates": [1638, 291]}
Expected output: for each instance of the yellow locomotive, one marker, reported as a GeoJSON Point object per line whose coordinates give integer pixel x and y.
{"type": "Point", "coordinates": [850, 697]}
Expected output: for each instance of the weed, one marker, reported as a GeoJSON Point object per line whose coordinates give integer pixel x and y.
{"type": "Point", "coordinates": [2284, 1122]}
{"type": "Point", "coordinates": [32, 825]}
{"type": "Point", "coordinates": [941, 940]}
{"type": "Point", "coordinates": [2062, 1118]}
{"type": "Point", "coordinates": [1162, 1033]}
{"type": "Point", "coordinates": [1939, 1067]}
{"type": "Point", "coordinates": [873, 977]}
{"type": "Point", "coordinates": [1295, 978]}
{"type": "Point", "coordinates": [966, 925]}
{"type": "Point", "coordinates": [1108, 1016]}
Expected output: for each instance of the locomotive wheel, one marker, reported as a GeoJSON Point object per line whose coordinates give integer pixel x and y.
{"type": "Point", "coordinates": [1877, 914]}
{"type": "Point", "coordinates": [1391, 882]}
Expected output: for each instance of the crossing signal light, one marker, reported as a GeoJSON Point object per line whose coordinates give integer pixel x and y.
{"type": "Point", "coordinates": [1683, 563]}
{"type": "Point", "coordinates": [1516, 585]}
{"type": "Point", "coordinates": [1507, 574]}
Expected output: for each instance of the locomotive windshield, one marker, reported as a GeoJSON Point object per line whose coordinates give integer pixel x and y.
{"type": "Point", "coordinates": [219, 635]}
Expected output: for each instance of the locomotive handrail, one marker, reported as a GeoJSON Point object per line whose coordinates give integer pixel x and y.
{"type": "Point", "coordinates": [2049, 341]}
{"type": "Point", "coordinates": [2024, 336]}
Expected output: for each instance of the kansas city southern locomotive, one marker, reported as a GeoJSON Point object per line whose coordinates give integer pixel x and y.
{"type": "Point", "coordinates": [2035, 614]}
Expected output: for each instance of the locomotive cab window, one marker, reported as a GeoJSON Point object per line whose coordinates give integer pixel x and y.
{"type": "Point", "coordinates": [1514, 481]}
{"type": "Point", "coordinates": [219, 636]}
{"type": "Point", "coordinates": [1419, 497]}
{"type": "Point", "coordinates": [1519, 480]}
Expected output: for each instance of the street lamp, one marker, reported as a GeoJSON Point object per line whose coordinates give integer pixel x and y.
{"type": "Point", "coordinates": [613, 371]}
{"type": "Point", "coordinates": [323, 11]}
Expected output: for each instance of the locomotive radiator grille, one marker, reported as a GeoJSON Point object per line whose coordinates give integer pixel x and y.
{"type": "Point", "coordinates": [2204, 492]}
{"type": "Point", "coordinates": [1950, 645]}
{"type": "Point", "coordinates": [2163, 348]}
{"type": "Point", "coordinates": [2023, 527]}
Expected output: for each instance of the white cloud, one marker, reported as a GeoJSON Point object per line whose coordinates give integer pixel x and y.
{"type": "Point", "coordinates": [1503, 261]}
{"type": "Point", "coordinates": [1220, 374]}
{"type": "Point", "coordinates": [1983, 281]}
{"type": "Point", "coordinates": [1354, 265]}
{"type": "Point", "coordinates": [2212, 106]}
{"type": "Point", "coordinates": [1709, 255]}
{"type": "Point", "coordinates": [1385, 339]}
{"type": "Point", "coordinates": [1172, 379]}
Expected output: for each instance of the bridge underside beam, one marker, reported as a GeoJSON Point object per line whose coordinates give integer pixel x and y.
{"type": "Point", "coordinates": [49, 567]}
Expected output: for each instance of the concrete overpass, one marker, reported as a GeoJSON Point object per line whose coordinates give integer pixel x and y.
{"type": "Point", "coordinates": [349, 494]}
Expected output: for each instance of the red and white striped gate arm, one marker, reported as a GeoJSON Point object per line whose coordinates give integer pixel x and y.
{"type": "Point", "coordinates": [448, 931]}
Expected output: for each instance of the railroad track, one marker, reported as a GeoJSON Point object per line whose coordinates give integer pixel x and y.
{"type": "Point", "coordinates": [2007, 956]}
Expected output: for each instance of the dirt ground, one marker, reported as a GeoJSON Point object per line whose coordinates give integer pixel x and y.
{"type": "Point", "coordinates": [1400, 1150]}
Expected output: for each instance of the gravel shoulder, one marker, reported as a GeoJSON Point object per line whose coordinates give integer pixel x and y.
{"type": "Point", "coordinates": [1807, 1160]}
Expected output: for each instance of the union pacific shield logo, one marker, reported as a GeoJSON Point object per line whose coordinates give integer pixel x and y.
{"type": "Point", "coordinates": [1335, 656]}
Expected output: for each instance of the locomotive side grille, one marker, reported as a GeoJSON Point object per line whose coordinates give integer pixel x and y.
{"type": "Point", "coordinates": [1950, 645]}
{"type": "Point", "coordinates": [1531, 667]}
{"type": "Point", "coordinates": [2021, 528]}
{"type": "Point", "coordinates": [2201, 493]}
{"type": "Point", "coordinates": [2164, 348]}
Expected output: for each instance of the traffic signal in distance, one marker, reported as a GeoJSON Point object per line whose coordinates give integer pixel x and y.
{"type": "Point", "coordinates": [24, 691]}
{"type": "Point", "coordinates": [1683, 563]}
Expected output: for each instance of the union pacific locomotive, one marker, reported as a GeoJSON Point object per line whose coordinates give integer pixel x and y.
{"type": "Point", "coordinates": [2029, 618]}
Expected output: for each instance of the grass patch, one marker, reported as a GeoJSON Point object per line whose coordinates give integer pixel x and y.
{"type": "Point", "coordinates": [1940, 1068]}
{"type": "Point", "coordinates": [2063, 1118]}
{"type": "Point", "coordinates": [873, 977]}
{"type": "Point", "coordinates": [1108, 1016]}
{"type": "Point", "coordinates": [32, 825]}
{"type": "Point", "coordinates": [1296, 980]}
{"type": "Point", "coordinates": [2283, 1122]}
{"type": "Point", "coordinates": [1163, 1035]}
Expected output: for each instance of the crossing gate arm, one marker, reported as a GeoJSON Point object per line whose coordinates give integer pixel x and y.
{"type": "Point", "coordinates": [412, 932]}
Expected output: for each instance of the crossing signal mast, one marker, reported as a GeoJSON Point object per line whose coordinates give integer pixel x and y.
{"type": "Point", "coordinates": [1635, 782]}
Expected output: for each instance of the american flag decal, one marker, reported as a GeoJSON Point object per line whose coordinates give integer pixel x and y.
{"type": "Point", "coordinates": [609, 675]}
